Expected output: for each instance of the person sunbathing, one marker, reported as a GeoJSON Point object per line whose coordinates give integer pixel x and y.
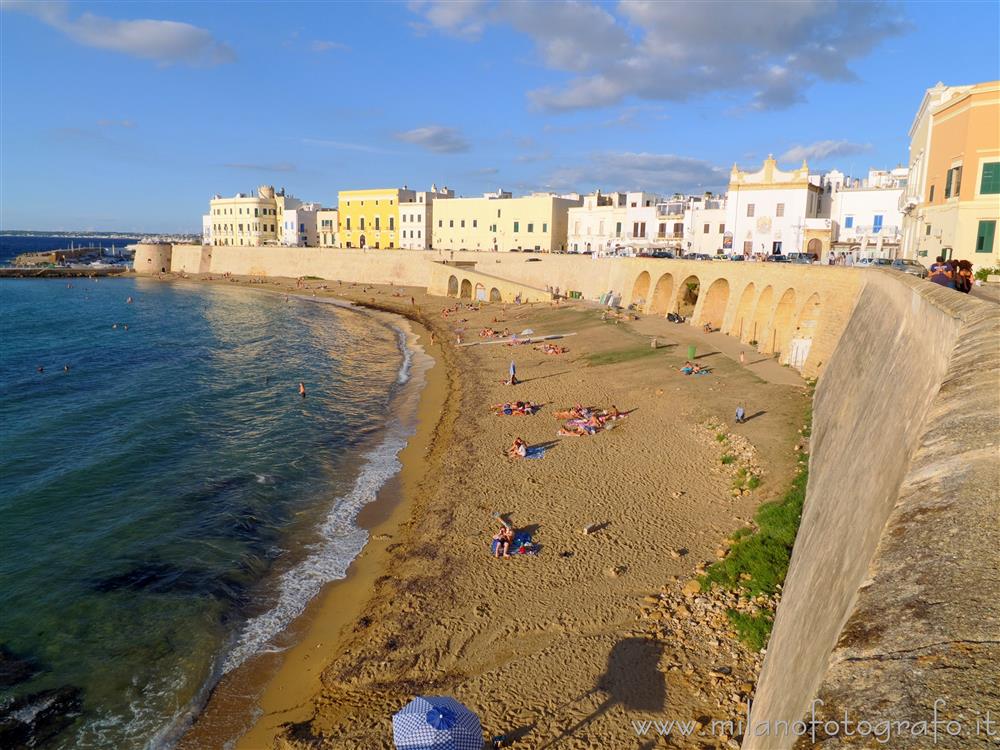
{"type": "Point", "coordinates": [518, 449]}
{"type": "Point", "coordinates": [503, 539]}
{"type": "Point", "coordinates": [503, 408]}
{"type": "Point", "coordinates": [575, 412]}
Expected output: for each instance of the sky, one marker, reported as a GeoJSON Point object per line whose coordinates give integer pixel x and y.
{"type": "Point", "coordinates": [130, 116]}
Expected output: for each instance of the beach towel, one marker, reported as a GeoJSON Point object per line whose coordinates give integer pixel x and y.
{"type": "Point", "coordinates": [522, 540]}
{"type": "Point", "coordinates": [536, 451]}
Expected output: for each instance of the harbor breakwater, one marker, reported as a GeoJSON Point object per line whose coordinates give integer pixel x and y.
{"type": "Point", "coordinates": [887, 606]}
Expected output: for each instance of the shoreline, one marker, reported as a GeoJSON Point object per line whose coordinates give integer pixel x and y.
{"type": "Point", "coordinates": [275, 683]}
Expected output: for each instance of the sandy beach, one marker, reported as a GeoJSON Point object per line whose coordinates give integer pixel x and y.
{"type": "Point", "coordinates": [569, 647]}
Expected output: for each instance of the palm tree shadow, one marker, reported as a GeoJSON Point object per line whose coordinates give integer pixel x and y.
{"type": "Point", "coordinates": [632, 680]}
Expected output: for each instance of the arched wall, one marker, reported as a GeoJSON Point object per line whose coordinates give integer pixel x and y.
{"type": "Point", "coordinates": [640, 289]}
{"type": "Point", "coordinates": [687, 298]}
{"type": "Point", "coordinates": [761, 315]}
{"type": "Point", "coordinates": [663, 295]}
{"type": "Point", "coordinates": [495, 295]}
{"type": "Point", "coordinates": [714, 303]}
{"type": "Point", "coordinates": [782, 324]}
{"type": "Point", "coordinates": [743, 313]}
{"type": "Point", "coordinates": [466, 289]}
{"type": "Point", "coordinates": [452, 286]}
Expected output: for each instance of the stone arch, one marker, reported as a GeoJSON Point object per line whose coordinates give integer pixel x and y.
{"type": "Point", "coordinates": [453, 286]}
{"type": "Point", "coordinates": [663, 294]}
{"type": "Point", "coordinates": [481, 292]}
{"type": "Point", "coordinates": [713, 305]}
{"type": "Point", "coordinates": [640, 289]}
{"type": "Point", "coordinates": [743, 315]}
{"type": "Point", "coordinates": [815, 246]}
{"type": "Point", "coordinates": [762, 313]}
{"type": "Point", "coordinates": [687, 295]}
{"type": "Point", "coordinates": [807, 324]}
{"type": "Point", "coordinates": [782, 325]}
{"type": "Point", "coordinates": [466, 289]}
{"type": "Point", "coordinates": [495, 295]}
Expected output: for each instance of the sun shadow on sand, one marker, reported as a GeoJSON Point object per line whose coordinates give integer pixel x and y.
{"type": "Point", "coordinates": [542, 377]}
{"type": "Point", "coordinates": [631, 680]}
{"type": "Point", "coordinates": [755, 415]}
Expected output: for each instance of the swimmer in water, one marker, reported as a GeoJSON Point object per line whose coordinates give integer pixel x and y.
{"type": "Point", "coordinates": [114, 325]}
{"type": "Point", "coordinates": [41, 369]}
{"type": "Point", "coordinates": [302, 389]}
{"type": "Point", "coordinates": [65, 368]}
{"type": "Point", "coordinates": [128, 301]}
{"type": "Point", "coordinates": [126, 326]}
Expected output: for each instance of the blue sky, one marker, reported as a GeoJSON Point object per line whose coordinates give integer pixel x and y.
{"type": "Point", "coordinates": [129, 116]}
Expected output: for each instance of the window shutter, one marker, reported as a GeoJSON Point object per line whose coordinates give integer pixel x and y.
{"type": "Point", "coordinates": [991, 179]}
{"type": "Point", "coordinates": [985, 235]}
{"type": "Point", "coordinates": [947, 185]}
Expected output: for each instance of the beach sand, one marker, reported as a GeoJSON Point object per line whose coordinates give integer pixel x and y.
{"type": "Point", "coordinates": [566, 647]}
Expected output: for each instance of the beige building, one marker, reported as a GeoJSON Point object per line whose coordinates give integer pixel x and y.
{"type": "Point", "coordinates": [536, 222]}
{"type": "Point", "coordinates": [951, 205]}
{"type": "Point", "coordinates": [326, 222]}
{"type": "Point", "coordinates": [246, 220]}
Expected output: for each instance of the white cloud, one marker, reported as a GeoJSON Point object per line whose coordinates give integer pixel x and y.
{"type": "Point", "coordinates": [344, 145]}
{"type": "Point", "coordinates": [436, 138]}
{"type": "Point", "coordinates": [163, 41]}
{"type": "Point", "coordinates": [821, 150]}
{"type": "Point", "coordinates": [662, 173]}
{"type": "Point", "coordinates": [769, 51]}
{"type": "Point", "coordinates": [465, 19]}
{"type": "Point", "coordinates": [323, 45]}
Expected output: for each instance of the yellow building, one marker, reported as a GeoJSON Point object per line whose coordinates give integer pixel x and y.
{"type": "Point", "coordinates": [952, 200]}
{"type": "Point", "coordinates": [326, 221]}
{"type": "Point", "coordinates": [249, 220]}
{"type": "Point", "coordinates": [370, 218]}
{"type": "Point", "coordinates": [535, 222]}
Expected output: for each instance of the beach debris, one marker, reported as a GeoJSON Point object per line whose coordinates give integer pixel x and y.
{"type": "Point", "coordinates": [692, 587]}
{"type": "Point", "coordinates": [591, 528]}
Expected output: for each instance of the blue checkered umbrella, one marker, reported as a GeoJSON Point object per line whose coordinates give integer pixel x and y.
{"type": "Point", "coordinates": [436, 722]}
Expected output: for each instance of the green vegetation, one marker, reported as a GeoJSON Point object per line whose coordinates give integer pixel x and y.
{"type": "Point", "coordinates": [753, 630]}
{"type": "Point", "coordinates": [313, 278]}
{"type": "Point", "coordinates": [721, 437]}
{"type": "Point", "coordinates": [620, 355]}
{"type": "Point", "coordinates": [757, 562]}
{"type": "Point", "coordinates": [982, 273]}
{"type": "Point", "coordinates": [727, 459]}
{"type": "Point", "coordinates": [744, 480]}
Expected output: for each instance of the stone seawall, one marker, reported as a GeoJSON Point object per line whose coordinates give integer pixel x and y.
{"type": "Point", "coordinates": [890, 601]}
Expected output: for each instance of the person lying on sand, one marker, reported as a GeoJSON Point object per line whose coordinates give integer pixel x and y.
{"type": "Point", "coordinates": [504, 538]}
{"type": "Point", "coordinates": [577, 430]}
{"type": "Point", "coordinates": [551, 349]}
{"type": "Point", "coordinates": [518, 449]}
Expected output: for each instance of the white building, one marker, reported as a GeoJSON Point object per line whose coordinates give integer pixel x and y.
{"type": "Point", "coordinates": [300, 225]}
{"type": "Point", "coordinates": [616, 222]}
{"type": "Point", "coordinates": [327, 220]}
{"type": "Point", "coordinates": [206, 229]}
{"type": "Point", "coordinates": [416, 217]}
{"type": "Point", "coordinates": [773, 212]}
{"type": "Point", "coordinates": [866, 216]}
{"type": "Point", "coordinates": [705, 226]}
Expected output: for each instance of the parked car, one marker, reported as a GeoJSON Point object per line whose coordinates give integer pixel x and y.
{"type": "Point", "coordinates": [737, 257]}
{"type": "Point", "coordinates": [802, 257]}
{"type": "Point", "coordinates": [661, 254]}
{"type": "Point", "coordinates": [881, 262]}
{"type": "Point", "coordinates": [910, 266]}
{"type": "Point", "coordinates": [779, 258]}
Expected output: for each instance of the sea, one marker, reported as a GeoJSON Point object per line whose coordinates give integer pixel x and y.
{"type": "Point", "coordinates": [169, 501]}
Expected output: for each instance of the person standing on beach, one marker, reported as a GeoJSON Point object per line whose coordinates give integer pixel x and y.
{"type": "Point", "coordinates": [302, 389]}
{"type": "Point", "coordinates": [743, 358]}
{"type": "Point", "coordinates": [741, 415]}
{"type": "Point", "coordinates": [513, 374]}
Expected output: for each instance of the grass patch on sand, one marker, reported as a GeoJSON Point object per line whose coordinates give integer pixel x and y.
{"type": "Point", "coordinates": [757, 562]}
{"type": "Point", "coordinates": [727, 459]}
{"type": "Point", "coordinates": [620, 355]}
{"type": "Point", "coordinates": [753, 630]}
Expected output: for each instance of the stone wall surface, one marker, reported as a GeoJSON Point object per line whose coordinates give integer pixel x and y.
{"type": "Point", "coordinates": [890, 601]}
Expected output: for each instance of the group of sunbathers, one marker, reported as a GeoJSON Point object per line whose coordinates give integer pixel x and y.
{"type": "Point", "coordinates": [551, 349]}
{"type": "Point", "coordinates": [516, 407]}
{"type": "Point", "coordinates": [584, 421]}
{"type": "Point", "coordinates": [690, 369]}
{"type": "Point", "coordinates": [518, 449]}
{"type": "Point", "coordinates": [492, 333]}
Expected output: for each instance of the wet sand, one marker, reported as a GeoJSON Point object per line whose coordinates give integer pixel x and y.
{"type": "Point", "coordinates": [546, 648]}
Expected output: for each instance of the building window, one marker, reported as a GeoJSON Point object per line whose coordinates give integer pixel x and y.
{"type": "Point", "coordinates": [990, 184]}
{"type": "Point", "coordinates": [780, 210]}
{"type": "Point", "coordinates": [776, 248]}
{"type": "Point", "coordinates": [463, 224]}
{"type": "Point", "coordinates": [361, 221]}
{"type": "Point", "coordinates": [877, 224]}
{"type": "Point", "coordinates": [705, 230]}
{"type": "Point", "coordinates": [928, 231]}
{"type": "Point", "coordinates": [750, 209]}
{"type": "Point", "coordinates": [475, 223]}
{"type": "Point", "coordinates": [451, 223]}
{"type": "Point", "coordinates": [545, 227]}
{"type": "Point", "coordinates": [722, 228]}
{"type": "Point", "coordinates": [531, 227]}
{"type": "Point", "coordinates": [618, 229]}
{"type": "Point", "coordinates": [984, 237]}
{"type": "Point", "coordinates": [953, 185]}
{"type": "Point", "coordinates": [418, 234]}
{"type": "Point", "coordinates": [517, 226]}
{"type": "Point", "coordinates": [930, 197]}
{"type": "Point", "coordinates": [747, 247]}
{"type": "Point", "coordinates": [440, 223]}
{"type": "Point", "coordinates": [848, 222]}
{"type": "Point", "coordinates": [392, 223]}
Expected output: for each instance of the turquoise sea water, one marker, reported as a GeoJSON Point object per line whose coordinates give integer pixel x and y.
{"type": "Point", "coordinates": [171, 502]}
